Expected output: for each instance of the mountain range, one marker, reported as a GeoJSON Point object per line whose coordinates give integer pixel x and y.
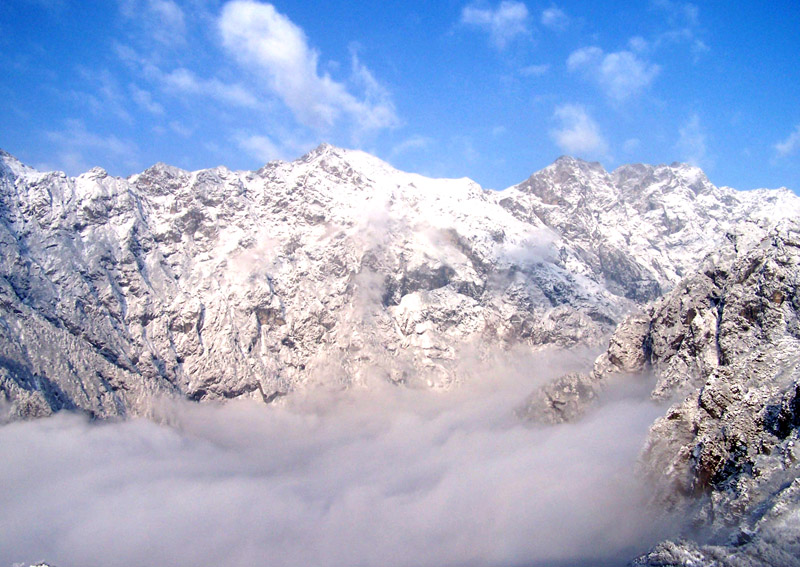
{"type": "Point", "coordinates": [334, 269]}
{"type": "Point", "coordinates": [338, 271]}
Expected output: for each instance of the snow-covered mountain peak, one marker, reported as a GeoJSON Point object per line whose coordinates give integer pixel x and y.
{"type": "Point", "coordinates": [11, 166]}
{"type": "Point", "coordinates": [94, 173]}
{"type": "Point", "coordinates": [643, 185]}
{"type": "Point", "coordinates": [570, 162]}
{"type": "Point", "coordinates": [164, 170]}
{"type": "Point", "coordinates": [569, 183]}
{"type": "Point", "coordinates": [360, 168]}
{"type": "Point", "coordinates": [332, 268]}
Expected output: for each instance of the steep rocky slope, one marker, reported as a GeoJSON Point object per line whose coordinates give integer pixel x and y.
{"type": "Point", "coordinates": [334, 269]}
{"type": "Point", "coordinates": [731, 338]}
{"type": "Point", "coordinates": [639, 229]}
{"type": "Point", "coordinates": [725, 343]}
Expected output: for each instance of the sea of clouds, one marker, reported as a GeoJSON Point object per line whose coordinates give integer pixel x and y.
{"type": "Point", "coordinates": [385, 476]}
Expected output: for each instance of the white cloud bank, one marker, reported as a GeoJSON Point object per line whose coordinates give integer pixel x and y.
{"type": "Point", "coordinates": [578, 133]}
{"type": "Point", "coordinates": [388, 477]}
{"type": "Point", "coordinates": [277, 51]}
{"type": "Point", "coordinates": [621, 74]}
{"type": "Point", "coordinates": [503, 24]}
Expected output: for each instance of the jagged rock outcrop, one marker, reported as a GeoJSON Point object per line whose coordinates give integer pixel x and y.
{"type": "Point", "coordinates": [639, 229]}
{"type": "Point", "coordinates": [727, 451]}
{"type": "Point", "coordinates": [569, 397]}
{"type": "Point", "coordinates": [333, 269]}
{"type": "Point", "coordinates": [725, 343]}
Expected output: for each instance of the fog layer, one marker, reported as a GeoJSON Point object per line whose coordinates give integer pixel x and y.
{"type": "Point", "coordinates": [385, 476]}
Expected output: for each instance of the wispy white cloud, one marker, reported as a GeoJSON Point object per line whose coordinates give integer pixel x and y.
{"type": "Point", "coordinates": [260, 147]}
{"type": "Point", "coordinates": [631, 145]}
{"type": "Point", "coordinates": [411, 144]}
{"type": "Point", "coordinates": [692, 142]}
{"type": "Point", "coordinates": [145, 99]}
{"type": "Point", "coordinates": [163, 20]}
{"type": "Point", "coordinates": [790, 144]}
{"type": "Point", "coordinates": [620, 74]}
{"type": "Point", "coordinates": [74, 142]}
{"type": "Point", "coordinates": [277, 51]}
{"type": "Point", "coordinates": [375, 97]}
{"type": "Point", "coordinates": [638, 44]}
{"type": "Point", "coordinates": [683, 19]}
{"type": "Point", "coordinates": [535, 70]}
{"type": "Point", "coordinates": [578, 133]}
{"type": "Point", "coordinates": [555, 18]}
{"type": "Point", "coordinates": [184, 81]}
{"type": "Point", "coordinates": [679, 13]}
{"type": "Point", "coordinates": [504, 23]}
{"type": "Point", "coordinates": [180, 129]}
{"type": "Point", "coordinates": [102, 94]}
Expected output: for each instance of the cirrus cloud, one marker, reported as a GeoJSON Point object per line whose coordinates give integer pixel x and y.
{"type": "Point", "coordinates": [692, 142]}
{"type": "Point", "coordinates": [184, 81]}
{"type": "Point", "coordinates": [555, 18]}
{"type": "Point", "coordinates": [161, 20]}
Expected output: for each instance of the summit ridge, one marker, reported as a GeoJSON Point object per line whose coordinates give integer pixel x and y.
{"type": "Point", "coordinates": [333, 269]}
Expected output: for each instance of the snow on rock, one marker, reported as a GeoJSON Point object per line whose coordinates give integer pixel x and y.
{"type": "Point", "coordinates": [334, 270]}
{"type": "Point", "coordinates": [724, 346]}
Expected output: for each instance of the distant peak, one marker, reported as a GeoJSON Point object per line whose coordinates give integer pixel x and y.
{"type": "Point", "coordinates": [161, 168]}
{"type": "Point", "coordinates": [688, 170]}
{"type": "Point", "coordinates": [5, 156]}
{"type": "Point", "coordinates": [10, 163]}
{"type": "Point", "coordinates": [570, 161]}
{"type": "Point", "coordinates": [320, 150]}
{"type": "Point", "coordinates": [96, 171]}
{"type": "Point", "coordinates": [324, 150]}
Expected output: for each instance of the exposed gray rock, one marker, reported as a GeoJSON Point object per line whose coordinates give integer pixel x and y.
{"type": "Point", "coordinates": [640, 229]}
{"type": "Point", "coordinates": [568, 397]}
{"type": "Point", "coordinates": [725, 346]}
{"type": "Point", "coordinates": [726, 343]}
{"type": "Point", "coordinates": [739, 369]}
{"type": "Point", "coordinates": [334, 269]}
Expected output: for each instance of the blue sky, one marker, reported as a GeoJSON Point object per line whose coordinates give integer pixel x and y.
{"type": "Point", "coordinates": [489, 90]}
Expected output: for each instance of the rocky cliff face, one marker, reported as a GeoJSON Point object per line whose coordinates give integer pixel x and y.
{"type": "Point", "coordinates": [334, 269]}
{"type": "Point", "coordinates": [730, 341]}
{"type": "Point", "coordinates": [725, 343]}
{"type": "Point", "coordinates": [639, 229]}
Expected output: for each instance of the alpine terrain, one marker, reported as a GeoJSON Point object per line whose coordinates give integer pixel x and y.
{"type": "Point", "coordinates": [338, 271]}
